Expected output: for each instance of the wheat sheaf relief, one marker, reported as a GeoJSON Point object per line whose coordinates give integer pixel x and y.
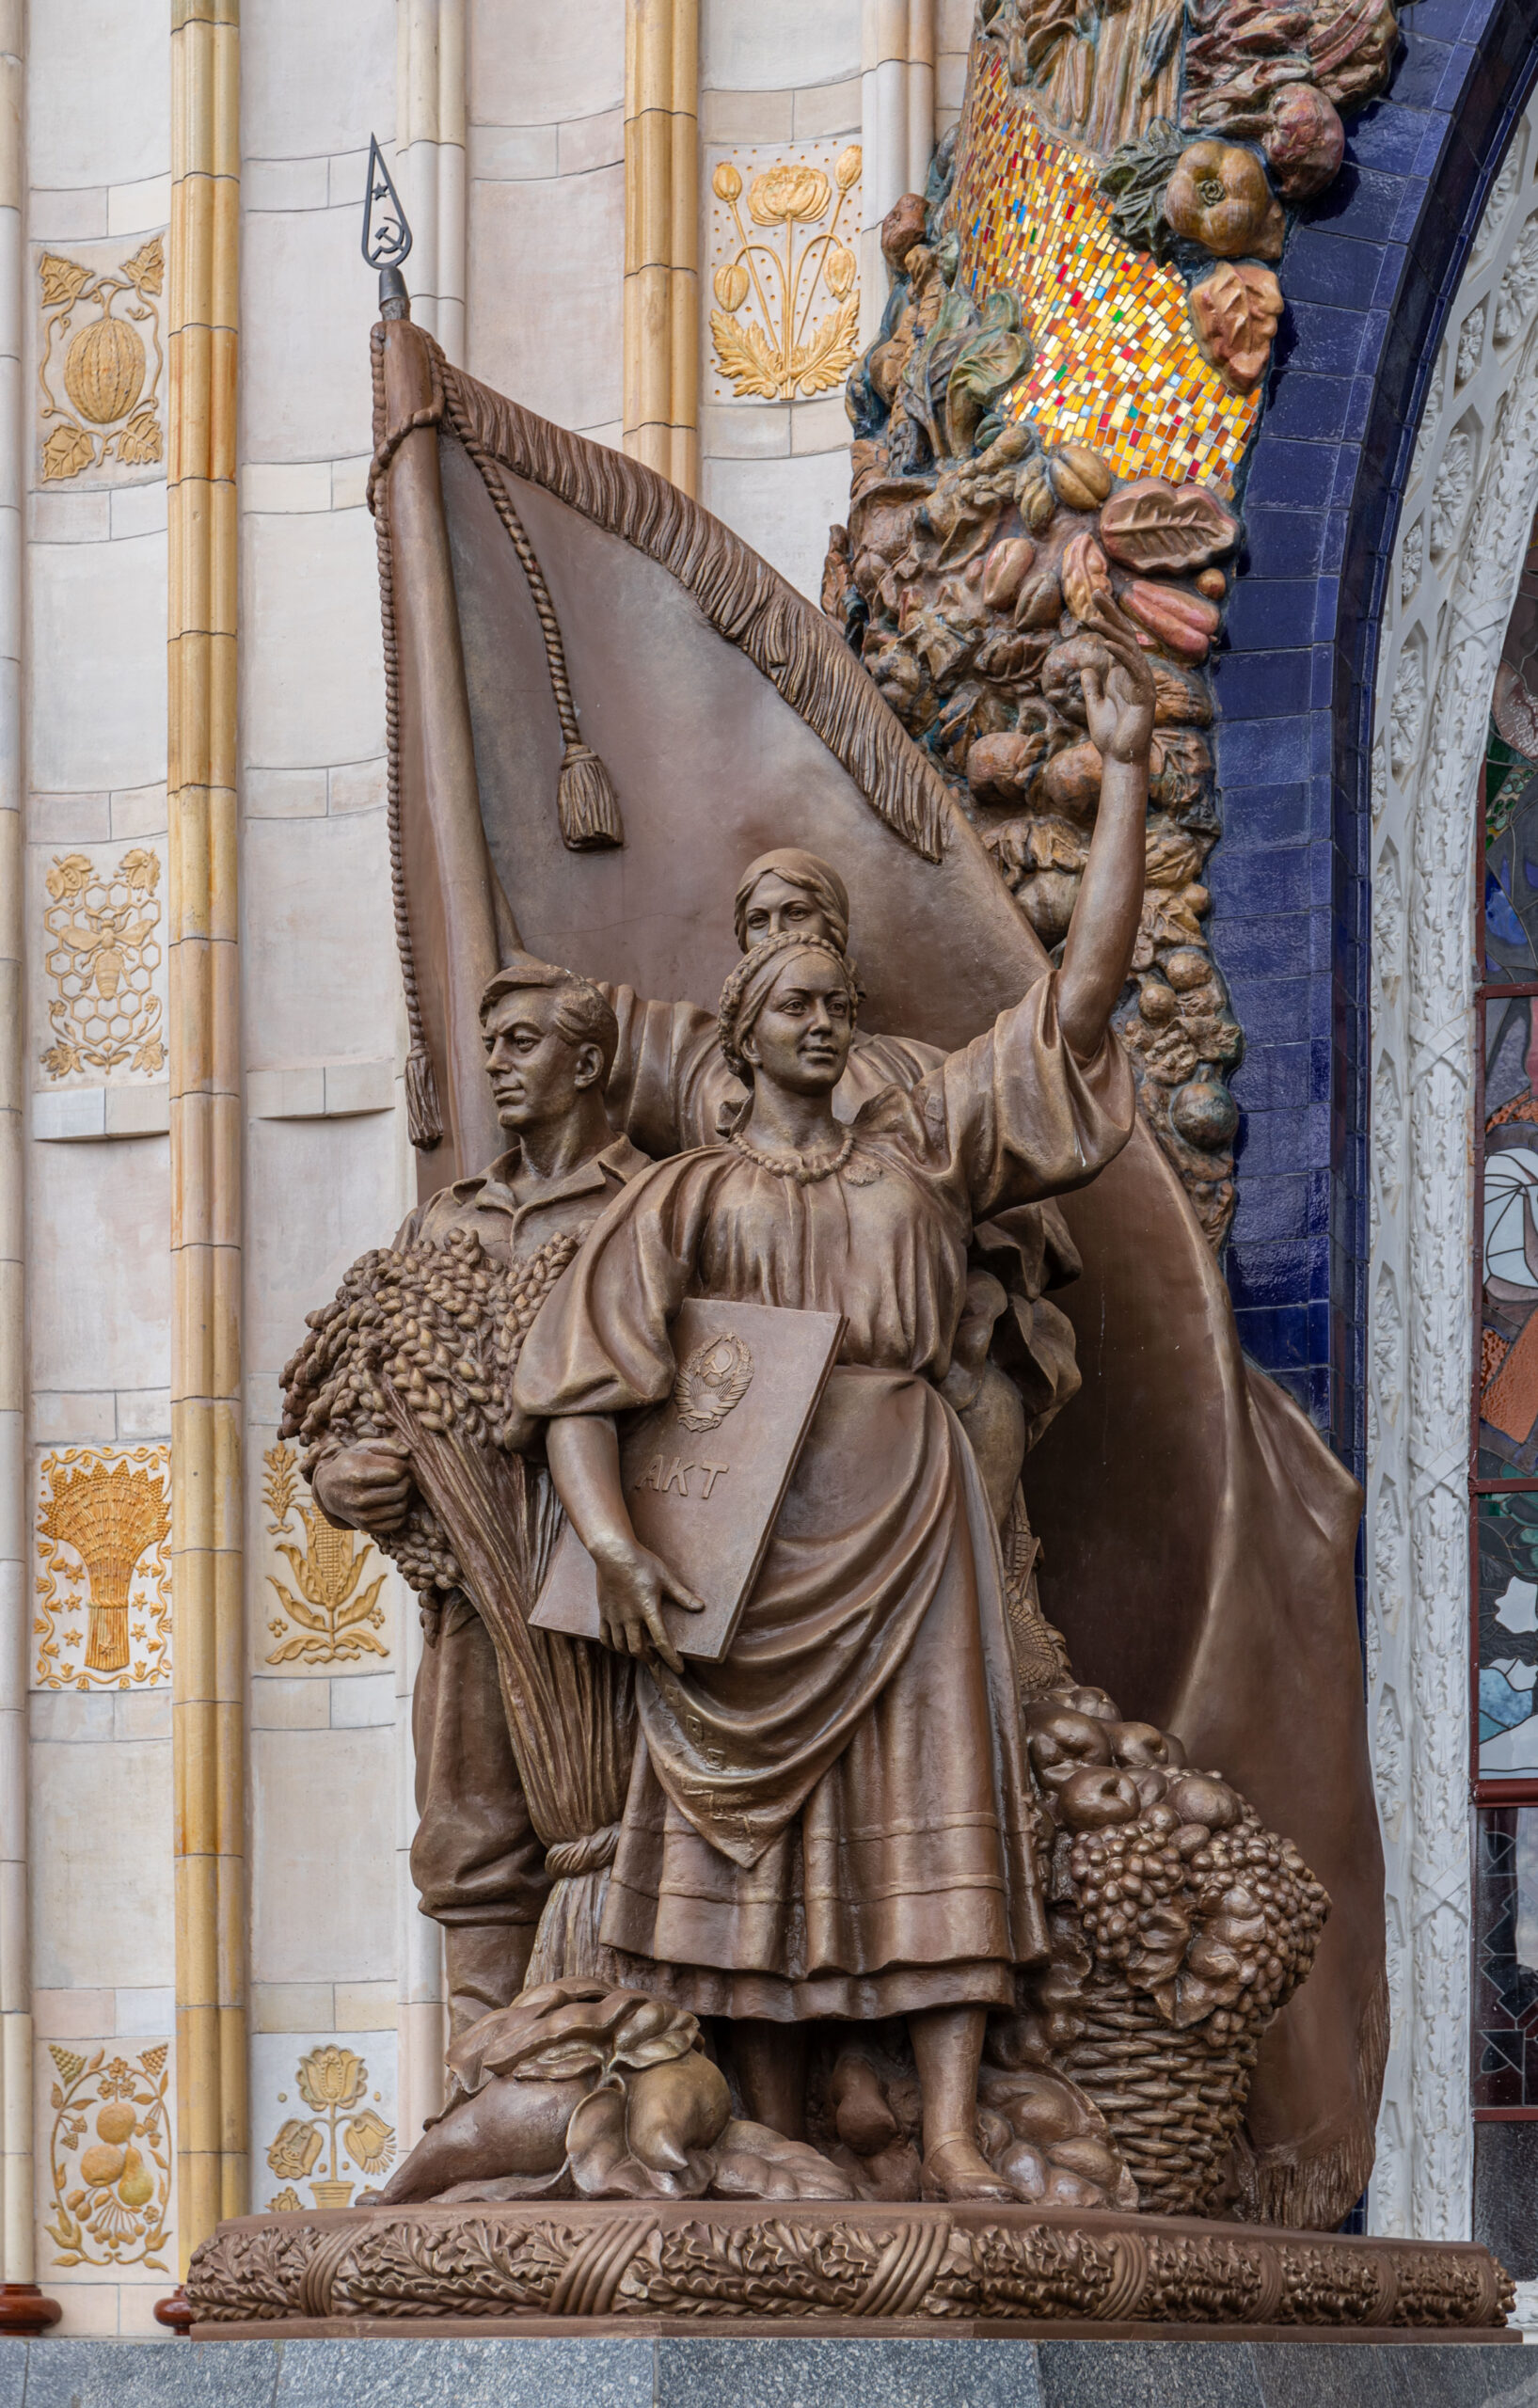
{"type": "Point", "coordinates": [103, 1599]}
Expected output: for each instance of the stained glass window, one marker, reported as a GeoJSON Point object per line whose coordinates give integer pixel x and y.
{"type": "Point", "coordinates": [1503, 1464]}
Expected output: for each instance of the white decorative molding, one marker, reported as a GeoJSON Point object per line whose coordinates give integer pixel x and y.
{"type": "Point", "coordinates": [76, 1115]}
{"type": "Point", "coordinates": [1463, 536]}
{"type": "Point", "coordinates": [320, 1091]}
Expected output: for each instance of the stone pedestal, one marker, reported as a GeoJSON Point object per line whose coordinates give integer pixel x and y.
{"type": "Point", "coordinates": [684, 2267]}
{"type": "Point", "coordinates": [784, 2373]}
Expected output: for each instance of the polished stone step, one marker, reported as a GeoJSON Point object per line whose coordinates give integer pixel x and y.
{"type": "Point", "coordinates": [727, 2372]}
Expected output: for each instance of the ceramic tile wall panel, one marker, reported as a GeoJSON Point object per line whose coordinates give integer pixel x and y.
{"type": "Point", "coordinates": [783, 508]}
{"type": "Point", "coordinates": [97, 705]}
{"type": "Point", "coordinates": [530, 64]}
{"type": "Point", "coordinates": [323, 1896]}
{"type": "Point", "coordinates": [953, 39]}
{"type": "Point", "coordinates": [312, 674]}
{"type": "Point", "coordinates": [319, 963]}
{"type": "Point", "coordinates": [782, 313]}
{"type": "Point", "coordinates": [102, 1841]}
{"type": "Point", "coordinates": [332, 1600]}
{"type": "Point", "coordinates": [98, 95]}
{"type": "Point", "coordinates": [98, 1270]}
{"type": "Point", "coordinates": [98, 987]}
{"type": "Point", "coordinates": [92, 437]}
{"type": "Point", "coordinates": [546, 259]}
{"type": "Point", "coordinates": [745, 47]}
{"type": "Point", "coordinates": [782, 106]}
{"type": "Point", "coordinates": [102, 1603]}
{"type": "Point", "coordinates": [318, 1194]}
{"type": "Point", "coordinates": [307, 305]}
{"type": "Point", "coordinates": [98, 331]}
{"type": "Point", "coordinates": [315, 80]}
{"type": "Point", "coordinates": [105, 2177]}
{"type": "Point", "coordinates": [545, 210]}
{"type": "Point", "coordinates": [325, 2125]}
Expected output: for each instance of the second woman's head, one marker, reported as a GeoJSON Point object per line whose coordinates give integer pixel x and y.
{"type": "Point", "coordinates": [788, 1015]}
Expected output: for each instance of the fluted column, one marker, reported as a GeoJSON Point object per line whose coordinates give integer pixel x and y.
{"type": "Point", "coordinates": [896, 103]}
{"type": "Point", "coordinates": [16, 2250]}
{"type": "Point", "coordinates": [663, 237]}
{"type": "Point", "coordinates": [430, 162]}
{"type": "Point", "coordinates": [209, 1752]}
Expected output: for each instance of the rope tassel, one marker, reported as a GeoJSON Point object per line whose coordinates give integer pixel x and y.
{"type": "Point", "coordinates": [424, 1115]}
{"type": "Point", "coordinates": [586, 801]}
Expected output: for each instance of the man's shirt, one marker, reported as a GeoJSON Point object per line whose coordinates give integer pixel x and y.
{"type": "Point", "coordinates": [511, 1230]}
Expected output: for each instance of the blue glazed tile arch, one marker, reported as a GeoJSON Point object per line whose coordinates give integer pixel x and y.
{"type": "Point", "coordinates": [1368, 275]}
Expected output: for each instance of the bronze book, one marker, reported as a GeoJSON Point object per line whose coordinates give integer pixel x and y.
{"type": "Point", "coordinates": [705, 1474]}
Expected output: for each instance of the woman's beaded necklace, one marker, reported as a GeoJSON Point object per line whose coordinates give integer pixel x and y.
{"type": "Point", "coordinates": [805, 1169]}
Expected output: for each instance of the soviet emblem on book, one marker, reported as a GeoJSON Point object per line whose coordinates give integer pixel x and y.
{"type": "Point", "coordinates": [705, 1474]}
{"type": "Point", "coordinates": [714, 1380]}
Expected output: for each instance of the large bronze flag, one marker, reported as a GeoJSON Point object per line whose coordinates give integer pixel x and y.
{"type": "Point", "coordinates": [547, 601]}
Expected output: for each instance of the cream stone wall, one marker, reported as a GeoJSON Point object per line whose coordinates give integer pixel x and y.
{"type": "Point", "coordinates": [546, 207]}
{"type": "Point", "coordinates": [326, 1164]}
{"type": "Point", "coordinates": [504, 123]}
{"type": "Point", "coordinates": [102, 1971]}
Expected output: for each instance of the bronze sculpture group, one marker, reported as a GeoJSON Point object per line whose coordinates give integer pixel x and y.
{"type": "Point", "coordinates": [829, 1858]}
{"type": "Point", "coordinates": [834, 1945]}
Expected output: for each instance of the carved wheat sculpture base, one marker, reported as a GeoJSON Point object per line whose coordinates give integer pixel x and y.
{"type": "Point", "coordinates": [686, 2266]}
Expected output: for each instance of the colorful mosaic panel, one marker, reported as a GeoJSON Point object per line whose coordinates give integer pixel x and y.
{"type": "Point", "coordinates": [1116, 362]}
{"type": "Point", "coordinates": [1506, 1959]}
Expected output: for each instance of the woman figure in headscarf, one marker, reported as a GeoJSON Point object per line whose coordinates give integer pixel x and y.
{"type": "Point", "coordinates": [833, 1821]}
{"type": "Point", "coordinates": [670, 1086]}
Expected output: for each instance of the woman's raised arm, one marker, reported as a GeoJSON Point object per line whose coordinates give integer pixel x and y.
{"type": "Point", "coordinates": [1097, 954]}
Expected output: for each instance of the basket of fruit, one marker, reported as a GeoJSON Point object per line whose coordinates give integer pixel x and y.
{"type": "Point", "coordinates": [1180, 1927]}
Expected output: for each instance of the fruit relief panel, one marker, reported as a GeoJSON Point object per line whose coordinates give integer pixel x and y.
{"type": "Point", "coordinates": [1508, 1366]}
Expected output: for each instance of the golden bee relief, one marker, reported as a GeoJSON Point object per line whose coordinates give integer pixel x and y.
{"type": "Point", "coordinates": [100, 363]}
{"type": "Point", "coordinates": [335, 1616]}
{"type": "Point", "coordinates": [102, 957]}
{"type": "Point", "coordinates": [786, 272]}
{"type": "Point", "coordinates": [342, 2136]}
{"type": "Point", "coordinates": [106, 2180]}
{"type": "Point", "coordinates": [103, 1616]}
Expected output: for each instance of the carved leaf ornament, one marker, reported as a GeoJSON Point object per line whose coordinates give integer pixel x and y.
{"type": "Point", "coordinates": [1235, 313]}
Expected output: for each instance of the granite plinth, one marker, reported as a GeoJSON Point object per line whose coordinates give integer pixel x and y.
{"type": "Point", "coordinates": [781, 2373]}
{"type": "Point", "coordinates": [677, 2267]}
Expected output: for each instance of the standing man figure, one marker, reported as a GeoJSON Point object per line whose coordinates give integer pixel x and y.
{"type": "Point", "coordinates": [550, 1040]}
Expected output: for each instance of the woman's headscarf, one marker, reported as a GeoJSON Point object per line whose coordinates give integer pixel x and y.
{"type": "Point", "coordinates": [752, 982]}
{"type": "Point", "coordinates": [814, 877]}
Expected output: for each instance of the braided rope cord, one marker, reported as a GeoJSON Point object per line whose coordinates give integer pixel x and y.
{"type": "Point", "coordinates": [424, 1110]}
{"type": "Point", "coordinates": [549, 626]}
